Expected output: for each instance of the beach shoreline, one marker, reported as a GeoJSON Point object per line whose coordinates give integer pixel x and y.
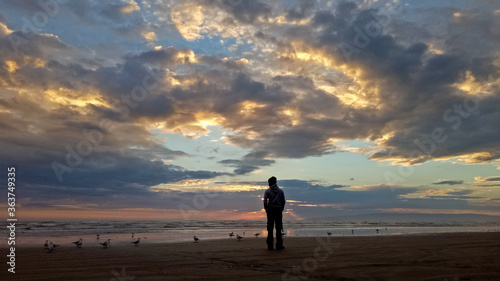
{"type": "Point", "coordinates": [451, 256]}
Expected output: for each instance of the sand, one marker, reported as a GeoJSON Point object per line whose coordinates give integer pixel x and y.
{"type": "Point", "coordinates": [458, 256]}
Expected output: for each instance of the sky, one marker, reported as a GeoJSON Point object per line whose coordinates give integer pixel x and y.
{"type": "Point", "coordinates": [163, 109]}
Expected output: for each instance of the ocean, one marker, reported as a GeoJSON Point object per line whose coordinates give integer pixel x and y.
{"type": "Point", "coordinates": [120, 232]}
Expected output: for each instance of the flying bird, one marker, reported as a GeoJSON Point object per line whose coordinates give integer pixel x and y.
{"type": "Point", "coordinates": [231, 234]}
{"type": "Point", "coordinates": [329, 233]}
{"type": "Point", "coordinates": [239, 237]}
{"type": "Point", "coordinates": [106, 243]}
{"type": "Point", "coordinates": [196, 239]}
{"type": "Point", "coordinates": [78, 243]}
{"type": "Point", "coordinates": [257, 234]}
{"type": "Point", "coordinates": [136, 242]}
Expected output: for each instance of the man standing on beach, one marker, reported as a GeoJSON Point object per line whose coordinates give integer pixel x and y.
{"type": "Point", "coordinates": [274, 204]}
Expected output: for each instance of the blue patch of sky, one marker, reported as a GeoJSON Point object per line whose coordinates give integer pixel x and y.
{"type": "Point", "coordinates": [340, 167]}
{"type": "Point", "coordinates": [215, 46]}
{"type": "Point", "coordinates": [204, 152]}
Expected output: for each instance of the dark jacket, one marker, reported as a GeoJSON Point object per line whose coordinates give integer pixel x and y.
{"type": "Point", "coordinates": [274, 197]}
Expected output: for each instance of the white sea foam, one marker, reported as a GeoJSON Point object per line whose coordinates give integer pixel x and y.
{"type": "Point", "coordinates": [62, 232]}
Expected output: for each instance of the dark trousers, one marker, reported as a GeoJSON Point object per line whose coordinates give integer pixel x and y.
{"type": "Point", "coordinates": [274, 216]}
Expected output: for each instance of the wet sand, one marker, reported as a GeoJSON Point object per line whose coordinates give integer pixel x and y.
{"type": "Point", "coordinates": [457, 256]}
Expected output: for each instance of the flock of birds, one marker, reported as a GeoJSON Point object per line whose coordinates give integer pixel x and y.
{"type": "Point", "coordinates": [49, 245]}
{"type": "Point", "coordinates": [238, 237]}
{"type": "Point", "coordinates": [106, 244]}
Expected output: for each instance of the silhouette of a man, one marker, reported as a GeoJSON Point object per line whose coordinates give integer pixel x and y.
{"type": "Point", "coordinates": [274, 204]}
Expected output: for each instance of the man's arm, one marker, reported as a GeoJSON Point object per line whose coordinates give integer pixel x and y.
{"type": "Point", "coordinates": [284, 200]}
{"type": "Point", "coordinates": [266, 197]}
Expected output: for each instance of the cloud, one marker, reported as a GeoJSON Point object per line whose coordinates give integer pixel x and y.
{"type": "Point", "coordinates": [289, 80]}
{"type": "Point", "coordinates": [188, 19]}
{"type": "Point", "coordinates": [489, 179]}
{"type": "Point", "coordinates": [404, 75]}
{"type": "Point", "coordinates": [302, 9]}
{"type": "Point", "coordinates": [443, 194]}
{"type": "Point", "coordinates": [129, 7]}
{"type": "Point", "coordinates": [449, 182]}
{"type": "Point", "coordinates": [374, 187]}
{"type": "Point", "coordinates": [52, 128]}
{"type": "Point", "coordinates": [246, 11]}
{"type": "Point", "coordinates": [248, 164]}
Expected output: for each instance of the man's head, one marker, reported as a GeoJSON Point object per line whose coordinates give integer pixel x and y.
{"type": "Point", "coordinates": [272, 181]}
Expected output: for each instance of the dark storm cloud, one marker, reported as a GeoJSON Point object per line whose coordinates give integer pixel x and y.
{"type": "Point", "coordinates": [489, 179]}
{"type": "Point", "coordinates": [302, 9]}
{"type": "Point", "coordinates": [109, 169]}
{"type": "Point", "coordinates": [299, 142]}
{"type": "Point", "coordinates": [244, 11]}
{"type": "Point", "coordinates": [32, 44]}
{"type": "Point", "coordinates": [249, 163]}
{"type": "Point", "coordinates": [410, 88]}
{"type": "Point", "coordinates": [345, 9]}
{"type": "Point", "coordinates": [279, 137]}
{"type": "Point", "coordinates": [307, 186]}
{"type": "Point", "coordinates": [109, 14]}
{"type": "Point", "coordinates": [450, 182]}
{"type": "Point", "coordinates": [412, 80]}
{"type": "Point", "coordinates": [35, 145]}
{"type": "Point", "coordinates": [164, 57]}
{"type": "Point", "coordinates": [309, 197]}
{"type": "Point", "coordinates": [471, 25]}
{"type": "Point", "coordinates": [61, 151]}
{"type": "Point", "coordinates": [383, 58]}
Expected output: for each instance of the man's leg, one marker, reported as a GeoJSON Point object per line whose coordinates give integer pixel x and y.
{"type": "Point", "coordinates": [279, 227]}
{"type": "Point", "coordinates": [270, 226]}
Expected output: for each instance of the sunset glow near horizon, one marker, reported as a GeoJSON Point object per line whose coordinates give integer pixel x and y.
{"type": "Point", "coordinates": [170, 109]}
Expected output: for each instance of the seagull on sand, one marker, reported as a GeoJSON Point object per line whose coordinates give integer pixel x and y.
{"type": "Point", "coordinates": [136, 242]}
{"type": "Point", "coordinates": [50, 246]}
{"type": "Point", "coordinates": [106, 243]}
{"type": "Point", "coordinates": [238, 237]}
{"type": "Point", "coordinates": [78, 243]}
{"type": "Point", "coordinates": [231, 234]}
{"type": "Point", "coordinates": [196, 239]}
{"type": "Point", "coordinates": [46, 245]}
{"type": "Point", "coordinates": [257, 234]}
{"type": "Point", "coordinates": [329, 233]}
{"type": "Point", "coordinates": [97, 236]}
{"type": "Point", "coordinates": [132, 235]}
